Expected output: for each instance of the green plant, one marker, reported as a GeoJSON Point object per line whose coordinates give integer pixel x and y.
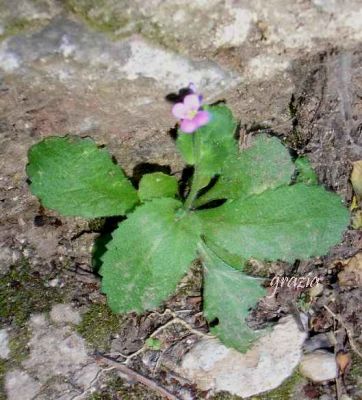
{"type": "Point", "coordinates": [262, 216]}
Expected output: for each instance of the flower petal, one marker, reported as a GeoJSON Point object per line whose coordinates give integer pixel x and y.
{"type": "Point", "coordinates": [192, 102]}
{"type": "Point", "coordinates": [179, 111]}
{"type": "Point", "coordinates": [188, 125]}
{"type": "Point", "coordinates": [202, 118]}
{"type": "Point", "coordinates": [192, 87]}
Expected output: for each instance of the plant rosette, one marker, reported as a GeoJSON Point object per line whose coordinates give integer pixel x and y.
{"type": "Point", "coordinates": [239, 204]}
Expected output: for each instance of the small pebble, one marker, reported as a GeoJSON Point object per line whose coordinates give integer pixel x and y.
{"type": "Point", "coordinates": [4, 344]}
{"type": "Point", "coordinates": [319, 366]}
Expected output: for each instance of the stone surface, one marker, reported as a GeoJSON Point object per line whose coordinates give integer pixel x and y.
{"type": "Point", "coordinates": [58, 355]}
{"type": "Point", "coordinates": [54, 351]}
{"type": "Point", "coordinates": [103, 69]}
{"type": "Point", "coordinates": [319, 366]}
{"type": "Point", "coordinates": [4, 344]}
{"type": "Point", "coordinates": [264, 367]}
{"type": "Point", "coordinates": [20, 385]}
{"type": "Point", "coordinates": [126, 59]}
{"type": "Point", "coordinates": [64, 313]}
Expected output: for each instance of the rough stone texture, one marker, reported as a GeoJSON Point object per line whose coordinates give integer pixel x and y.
{"type": "Point", "coordinates": [58, 365]}
{"type": "Point", "coordinates": [64, 313]}
{"type": "Point", "coordinates": [264, 367]}
{"type": "Point", "coordinates": [53, 351]}
{"type": "Point", "coordinates": [20, 385]}
{"type": "Point", "coordinates": [4, 344]}
{"type": "Point", "coordinates": [103, 69]}
{"type": "Point", "coordinates": [319, 366]}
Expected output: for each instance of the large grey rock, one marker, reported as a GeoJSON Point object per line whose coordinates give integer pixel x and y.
{"type": "Point", "coordinates": [107, 60]}
{"type": "Point", "coordinates": [264, 367]}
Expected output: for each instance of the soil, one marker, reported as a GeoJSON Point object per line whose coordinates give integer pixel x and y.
{"type": "Point", "coordinates": [46, 259]}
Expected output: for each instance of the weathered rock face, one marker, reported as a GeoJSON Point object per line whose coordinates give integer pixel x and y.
{"type": "Point", "coordinates": [57, 354]}
{"type": "Point", "coordinates": [264, 367]}
{"type": "Point", "coordinates": [103, 69]}
{"type": "Point", "coordinates": [20, 385]}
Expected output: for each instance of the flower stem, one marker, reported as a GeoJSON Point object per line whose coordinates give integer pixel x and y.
{"type": "Point", "coordinates": [196, 181]}
{"type": "Point", "coordinates": [193, 191]}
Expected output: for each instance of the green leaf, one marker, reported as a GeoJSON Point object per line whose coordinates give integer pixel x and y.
{"type": "Point", "coordinates": [233, 260]}
{"type": "Point", "coordinates": [209, 147]}
{"type": "Point", "coordinates": [228, 297]}
{"type": "Point", "coordinates": [266, 164]}
{"type": "Point", "coordinates": [305, 172]}
{"type": "Point", "coordinates": [74, 177]}
{"type": "Point", "coordinates": [153, 343]}
{"type": "Point", "coordinates": [287, 223]}
{"type": "Point", "coordinates": [157, 185]}
{"type": "Point", "coordinates": [149, 253]}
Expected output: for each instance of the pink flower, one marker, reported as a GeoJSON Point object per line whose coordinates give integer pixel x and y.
{"type": "Point", "coordinates": [190, 114]}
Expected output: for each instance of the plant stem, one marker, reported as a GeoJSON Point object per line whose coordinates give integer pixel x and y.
{"type": "Point", "coordinates": [193, 192]}
{"type": "Point", "coordinates": [195, 185]}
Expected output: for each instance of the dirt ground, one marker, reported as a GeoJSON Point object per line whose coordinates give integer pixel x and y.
{"type": "Point", "coordinates": [68, 67]}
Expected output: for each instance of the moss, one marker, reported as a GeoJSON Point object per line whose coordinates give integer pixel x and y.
{"type": "Point", "coordinates": [100, 14]}
{"type": "Point", "coordinates": [110, 17]}
{"type": "Point", "coordinates": [285, 391]}
{"type": "Point", "coordinates": [98, 325]}
{"type": "Point", "coordinates": [23, 292]}
{"type": "Point", "coordinates": [355, 373]}
{"type": "Point", "coordinates": [225, 396]}
{"type": "Point", "coordinates": [155, 33]}
{"type": "Point", "coordinates": [18, 345]}
{"type": "Point", "coordinates": [3, 369]}
{"type": "Point", "coordinates": [16, 26]}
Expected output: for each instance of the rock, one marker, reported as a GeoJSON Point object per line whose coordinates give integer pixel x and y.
{"type": "Point", "coordinates": [264, 67]}
{"type": "Point", "coordinates": [319, 366]}
{"type": "Point", "coordinates": [272, 359]}
{"type": "Point", "coordinates": [7, 258]}
{"type": "Point", "coordinates": [20, 385]}
{"type": "Point", "coordinates": [86, 375]}
{"type": "Point", "coordinates": [124, 59]}
{"type": "Point", "coordinates": [57, 355]}
{"type": "Point", "coordinates": [4, 344]}
{"type": "Point", "coordinates": [316, 290]}
{"type": "Point", "coordinates": [235, 32]}
{"type": "Point", "coordinates": [64, 313]}
{"type": "Point", "coordinates": [54, 351]}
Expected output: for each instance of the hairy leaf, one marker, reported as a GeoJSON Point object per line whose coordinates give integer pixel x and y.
{"type": "Point", "coordinates": [287, 223]}
{"type": "Point", "coordinates": [157, 185]}
{"type": "Point", "coordinates": [74, 177]}
{"type": "Point", "coordinates": [266, 164]}
{"type": "Point", "coordinates": [305, 172]}
{"type": "Point", "coordinates": [148, 255]}
{"type": "Point", "coordinates": [228, 297]}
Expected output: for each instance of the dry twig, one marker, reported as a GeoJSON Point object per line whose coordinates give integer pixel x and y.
{"type": "Point", "coordinates": [348, 330]}
{"type": "Point", "coordinates": [136, 376]}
